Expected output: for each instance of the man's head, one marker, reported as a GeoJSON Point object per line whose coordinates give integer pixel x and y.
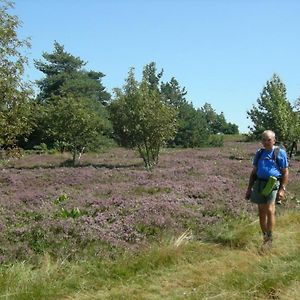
{"type": "Point", "coordinates": [268, 139]}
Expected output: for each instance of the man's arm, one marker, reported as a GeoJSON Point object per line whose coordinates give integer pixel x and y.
{"type": "Point", "coordinates": [251, 182]}
{"type": "Point", "coordinates": [283, 182]}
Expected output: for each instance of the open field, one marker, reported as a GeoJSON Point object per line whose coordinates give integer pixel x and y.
{"type": "Point", "coordinates": [109, 229]}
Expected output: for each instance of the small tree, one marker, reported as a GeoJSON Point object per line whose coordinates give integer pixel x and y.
{"type": "Point", "coordinates": [15, 104]}
{"type": "Point", "coordinates": [274, 112]}
{"type": "Point", "coordinates": [74, 122]}
{"type": "Point", "coordinates": [140, 117]}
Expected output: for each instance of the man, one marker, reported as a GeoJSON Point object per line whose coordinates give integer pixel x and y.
{"type": "Point", "coordinates": [266, 164]}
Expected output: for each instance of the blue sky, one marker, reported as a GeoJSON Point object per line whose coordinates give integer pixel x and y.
{"type": "Point", "coordinates": [222, 52]}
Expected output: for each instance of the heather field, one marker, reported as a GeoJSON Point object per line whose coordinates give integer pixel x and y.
{"type": "Point", "coordinates": [110, 209]}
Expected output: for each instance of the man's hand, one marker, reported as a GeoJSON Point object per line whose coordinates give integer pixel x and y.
{"type": "Point", "coordinates": [248, 194]}
{"type": "Point", "coordinates": [281, 193]}
{"type": "Point", "coordinates": [251, 182]}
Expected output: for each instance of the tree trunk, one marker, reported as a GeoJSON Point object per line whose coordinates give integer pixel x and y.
{"type": "Point", "coordinates": [74, 157]}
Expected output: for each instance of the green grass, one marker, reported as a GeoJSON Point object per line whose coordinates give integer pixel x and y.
{"type": "Point", "coordinates": [227, 265]}
{"type": "Point", "coordinates": [141, 190]}
{"type": "Point", "coordinates": [235, 137]}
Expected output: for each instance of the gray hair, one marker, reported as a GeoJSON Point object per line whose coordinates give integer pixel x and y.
{"type": "Point", "coordinates": [268, 133]}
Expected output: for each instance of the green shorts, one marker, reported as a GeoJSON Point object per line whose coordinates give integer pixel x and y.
{"type": "Point", "coordinates": [258, 198]}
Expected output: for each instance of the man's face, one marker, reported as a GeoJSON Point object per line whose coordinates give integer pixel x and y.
{"type": "Point", "coordinates": [268, 141]}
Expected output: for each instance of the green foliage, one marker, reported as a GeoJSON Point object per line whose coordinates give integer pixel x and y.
{"type": "Point", "coordinates": [67, 213]}
{"type": "Point", "coordinates": [194, 126]}
{"type": "Point", "coordinates": [235, 137]}
{"type": "Point", "coordinates": [61, 199]}
{"type": "Point", "coordinates": [148, 230]}
{"type": "Point", "coordinates": [173, 94]}
{"type": "Point", "coordinates": [275, 112]}
{"type": "Point", "coordinates": [42, 148]}
{"type": "Point", "coordinates": [193, 130]}
{"type": "Point", "coordinates": [15, 104]}
{"type": "Point", "coordinates": [232, 232]}
{"type": "Point", "coordinates": [296, 128]}
{"type": "Point", "coordinates": [216, 140]}
{"type": "Point", "coordinates": [75, 123]}
{"type": "Point", "coordinates": [147, 102]}
{"type": "Point", "coordinates": [217, 122]}
{"type": "Point", "coordinates": [64, 75]}
{"type": "Point", "coordinates": [73, 213]}
{"type": "Point", "coordinates": [140, 190]}
{"type": "Point", "coordinates": [71, 112]}
{"type": "Point", "coordinates": [141, 118]}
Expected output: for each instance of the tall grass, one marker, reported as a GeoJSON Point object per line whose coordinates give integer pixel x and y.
{"type": "Point", "coordinates": [228, 265]}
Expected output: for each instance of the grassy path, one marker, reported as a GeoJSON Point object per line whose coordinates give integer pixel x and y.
{"type": "Point", "coordinates": [193, 270]}
{"type": "Point", "coordinates": [210, 271]}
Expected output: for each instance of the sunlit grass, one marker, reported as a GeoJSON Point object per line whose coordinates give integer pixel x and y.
{"type": "Point", "coordinates": [235, 137]}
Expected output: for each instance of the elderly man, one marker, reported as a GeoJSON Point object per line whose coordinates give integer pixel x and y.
{"type": "Point", "coordinates": [268, 161]}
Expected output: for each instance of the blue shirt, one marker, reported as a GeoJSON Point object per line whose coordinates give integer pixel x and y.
{"type": "Point", "coordinates": [267, 166]}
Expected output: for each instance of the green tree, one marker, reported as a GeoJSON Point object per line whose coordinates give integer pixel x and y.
{"type": "Point", "coordinates": [193, 130]}
{"type": "Point", "coordinates": [141, 118]}
{"type": "Point", "coordinates": [173, 94]}
{"type": "Point", "coordinates": [15, 104]}
{"type": "Point", "coordinates": [222, 126]}
{"type": "Point", "coordinates": [296, 126]}
{"type": "Point", "coordinates": [274, 112]}
{"type": "Point", "coordinates": [210, 116]}
{"type": "Point", "coordinates": [217, 122]}
{"type": "Point", "coordinates": [230, 128]}
{"type": "Point", "coordinates": [75, 122]}
{"type": "Point", "coordinates": [65, 78]}
{"type": "Point", "coordinates": [64, 74]}
{"type": "Point", "coordinates": [151, 77]}
{"type": "Point", "coordinates": [192, 127]}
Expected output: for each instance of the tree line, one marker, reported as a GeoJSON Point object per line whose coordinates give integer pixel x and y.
{"type": "Point", "coordinates": [72, 110]}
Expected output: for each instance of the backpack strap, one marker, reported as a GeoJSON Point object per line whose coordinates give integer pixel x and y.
{"type": "Point", "coordinates": [274, 155]}
{"type": "Point", "coordinates": [259, 154]}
